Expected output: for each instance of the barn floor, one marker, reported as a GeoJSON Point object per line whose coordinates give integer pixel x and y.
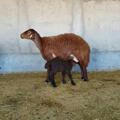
{"type": "Point", "coordinates": [28, 97]}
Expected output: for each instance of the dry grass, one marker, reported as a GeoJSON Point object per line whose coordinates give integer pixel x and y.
{"type": "Point", "coordinates": [28, 97]}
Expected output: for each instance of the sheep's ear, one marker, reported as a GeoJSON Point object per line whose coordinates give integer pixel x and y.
{"type": "Point", "coordinates": [31, 36]}
{"type": "Point", "coordinates": [32, 30]}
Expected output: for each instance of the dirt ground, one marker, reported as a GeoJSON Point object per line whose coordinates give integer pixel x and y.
{"type": "Point", "coordinates": [27, 97]}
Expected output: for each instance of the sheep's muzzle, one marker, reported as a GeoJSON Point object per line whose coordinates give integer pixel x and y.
{"type": "Point", "coordinates": [22, 36]}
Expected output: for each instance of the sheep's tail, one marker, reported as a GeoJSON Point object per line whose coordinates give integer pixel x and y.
{"type": "Point", "coordinates": [84, 58]}
{"type": "Point", "coordinates": [87, 60]}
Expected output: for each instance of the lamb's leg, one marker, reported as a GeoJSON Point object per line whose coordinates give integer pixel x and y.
{"type": "Point", "coordinates": [47, 79]}
{"type": "Point", "coordinates": [63, 78]}
{"type": "Point", "coordinates": [70, 76]}
{"type": "Point", "coordinates": [48, 72]}
{"type": "Point", "coordinates": [51, 78]}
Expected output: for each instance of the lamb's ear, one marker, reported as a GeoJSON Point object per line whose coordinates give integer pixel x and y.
{"type": "Point", "coordinates": [48, 65]}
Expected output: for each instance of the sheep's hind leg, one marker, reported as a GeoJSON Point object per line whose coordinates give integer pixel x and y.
{"type": "Point", "coordinates": [82, 73]}
{"type": "Point", "coordinates": [85, 76]}
{"type": "Point", "coordinates": [63, 77]}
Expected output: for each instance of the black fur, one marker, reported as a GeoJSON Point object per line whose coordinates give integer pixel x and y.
{"type": "Point", "coordinates": [58, 65]}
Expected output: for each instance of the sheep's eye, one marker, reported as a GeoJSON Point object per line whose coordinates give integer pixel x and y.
{"type": "Point", "coordinates": [29, 32]}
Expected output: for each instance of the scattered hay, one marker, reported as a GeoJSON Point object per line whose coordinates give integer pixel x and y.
{"type": "Point", "coordinates": [28, 97]}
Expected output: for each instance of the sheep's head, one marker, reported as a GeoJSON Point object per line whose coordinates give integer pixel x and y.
{"type": "Point", "coordinates": [29, 34]}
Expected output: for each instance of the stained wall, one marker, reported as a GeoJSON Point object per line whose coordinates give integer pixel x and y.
{"type": "Point", "coordinates": [97, 21]}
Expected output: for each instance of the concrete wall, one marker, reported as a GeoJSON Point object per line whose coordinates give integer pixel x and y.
{"type": "Point", "coordinates": [97, 21]}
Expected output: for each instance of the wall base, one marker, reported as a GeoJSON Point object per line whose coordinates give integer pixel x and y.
{"type": "Point", "coordinates": [34, 63]}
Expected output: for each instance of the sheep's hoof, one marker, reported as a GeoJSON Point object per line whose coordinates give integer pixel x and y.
{"type": "Point", "coordinates": [82, 77]}
{"type": "Point", "coordinates": [73, 83]}
{"type": "Point", "coordinates": [47, 80]}
{"type": "Point", "coordinates": [64, 82]}
{"type": "Point", "coordinates": [86, 80]}
{"type": "Point", "coordinates": [54, 85]}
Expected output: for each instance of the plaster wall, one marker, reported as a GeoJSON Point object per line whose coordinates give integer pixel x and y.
{"type": "Point", "coordinates": [97, 21]}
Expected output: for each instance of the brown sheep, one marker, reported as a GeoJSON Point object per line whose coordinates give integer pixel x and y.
{"type": "Point", "coordinates": [64, 46]}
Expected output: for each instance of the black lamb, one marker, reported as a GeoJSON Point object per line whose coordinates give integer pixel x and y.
{"type": "Point", "coordinates": [58, 65]}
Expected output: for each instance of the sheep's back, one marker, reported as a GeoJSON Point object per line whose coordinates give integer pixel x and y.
{"type": "Point", "coordinates": [65, 44]}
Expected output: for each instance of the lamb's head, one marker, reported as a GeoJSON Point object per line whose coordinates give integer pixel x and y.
{"type": "Point", "coordinates": [29, 34]}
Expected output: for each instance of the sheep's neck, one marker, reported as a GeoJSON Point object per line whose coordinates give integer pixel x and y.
{"type": "Point", "coordinates": [38, 41]}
